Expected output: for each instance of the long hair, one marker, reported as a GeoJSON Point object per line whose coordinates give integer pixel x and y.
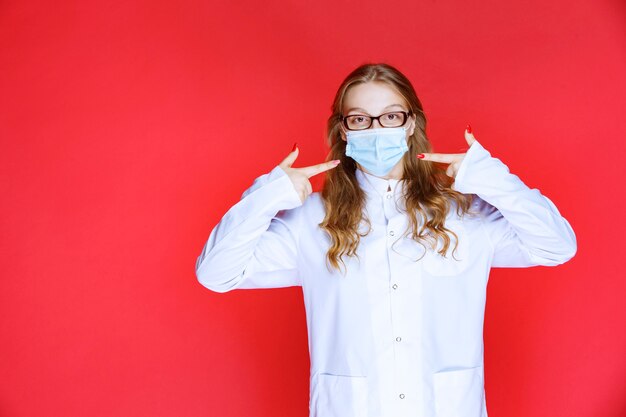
{"type": "Point", "coordinates": [427, 189]}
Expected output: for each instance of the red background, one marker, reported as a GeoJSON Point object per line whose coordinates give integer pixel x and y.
{"type": "Point", "coordinates": [129, 128]}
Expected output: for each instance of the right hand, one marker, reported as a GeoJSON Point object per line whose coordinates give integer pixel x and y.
{"type": "Point", "coordinates": [300, 176]}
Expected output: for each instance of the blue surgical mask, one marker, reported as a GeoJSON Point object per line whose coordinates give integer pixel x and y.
{"type": "Point", "coordinates": [377, 150]}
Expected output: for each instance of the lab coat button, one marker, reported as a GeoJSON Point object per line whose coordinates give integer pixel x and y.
{"type": "Point", "coordinates": [388, 196]}
{"type": "Point", "coordinates": [395, 286]}
{"type": "Point", "coordinates": [391, 233]}
{"type": "Point", "coordinates": [401, 396]}
{"type": "Point", "coordinates": [398, 339]}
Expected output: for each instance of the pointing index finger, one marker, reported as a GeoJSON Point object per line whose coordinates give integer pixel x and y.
{"type": "Point", "coordinates": [446, 158]}
{"type": "Point", "coordinates": [469, 137]}
{"type": "Point", "coordinates": [319, 168]}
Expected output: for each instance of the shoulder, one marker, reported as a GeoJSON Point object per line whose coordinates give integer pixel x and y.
{"type": "Point", "coordinates": [483, 214]}
{"type": "Point", "coordinates": [478, 223]}
{"type": "Point", "coordinates": [479, 210]}
{"type": "Point", "coordinates": [314, 205]}
{"type": "Point", "coordinates": [312, 210]}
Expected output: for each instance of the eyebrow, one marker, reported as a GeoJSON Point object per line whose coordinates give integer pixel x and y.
{"type": "Point", "coordinates": [364, 111]}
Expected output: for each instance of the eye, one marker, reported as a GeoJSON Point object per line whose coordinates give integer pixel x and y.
{"type": "Point", "coordinates": [358, 120]}
{"type": "Point", "coordinates": [392, 116]}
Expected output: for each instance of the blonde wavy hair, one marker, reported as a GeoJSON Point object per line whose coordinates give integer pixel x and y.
{"type": "Point", "coordinates": [427, 189]}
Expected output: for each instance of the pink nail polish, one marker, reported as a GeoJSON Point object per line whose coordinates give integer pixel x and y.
{"type": "Point", "coordinates": [421, 155]}
{"type": "Point", "coordinates": [468, 128]}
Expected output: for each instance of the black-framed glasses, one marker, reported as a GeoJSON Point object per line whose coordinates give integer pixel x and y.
{"type": "Point", "coordinates": [362, 121]}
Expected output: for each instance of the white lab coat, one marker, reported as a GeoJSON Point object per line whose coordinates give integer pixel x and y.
{"type": "Point", "coordinates": [401, 334]}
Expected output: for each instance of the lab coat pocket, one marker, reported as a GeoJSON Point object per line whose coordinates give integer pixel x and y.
{"type": "Point", "coordinates": [340, 396]}
{"type": "Point", "coordinates": [459, 393]}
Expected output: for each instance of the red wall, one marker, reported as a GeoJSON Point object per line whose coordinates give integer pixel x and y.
{"type": "Point", "coordinates": [129, 128]}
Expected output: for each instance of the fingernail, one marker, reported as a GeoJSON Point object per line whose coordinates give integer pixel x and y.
{"type": "Point", "coordinates": [468, 128]}
{"type": "Point", "coordinates": [295, 145]}
{"type": "Point", "coordinates": [336, 161]}
{"type": "Point", "coordinates": [421, 155]}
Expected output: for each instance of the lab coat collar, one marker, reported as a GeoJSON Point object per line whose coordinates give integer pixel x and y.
{"type": "Point", "coordinates": [376, 186]}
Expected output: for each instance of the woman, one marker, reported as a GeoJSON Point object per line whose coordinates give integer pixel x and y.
{"type": "Point", "coordinates": [393, 256]}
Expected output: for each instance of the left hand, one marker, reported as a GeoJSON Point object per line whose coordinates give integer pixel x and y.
{"type": "Point", "coordinates": [454, 159]}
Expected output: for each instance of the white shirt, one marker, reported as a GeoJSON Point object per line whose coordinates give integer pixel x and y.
{"type": "Point", "coordinates": [401, 334]}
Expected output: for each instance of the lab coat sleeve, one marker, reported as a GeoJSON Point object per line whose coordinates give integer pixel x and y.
{"type": "Point", "coordinates": [255, 243]}
{"type": "Point", "coordinates": [524, 226]}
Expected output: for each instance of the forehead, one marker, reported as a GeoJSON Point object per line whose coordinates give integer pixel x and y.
{"type": "Point", "coordinates": [373, 97]}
